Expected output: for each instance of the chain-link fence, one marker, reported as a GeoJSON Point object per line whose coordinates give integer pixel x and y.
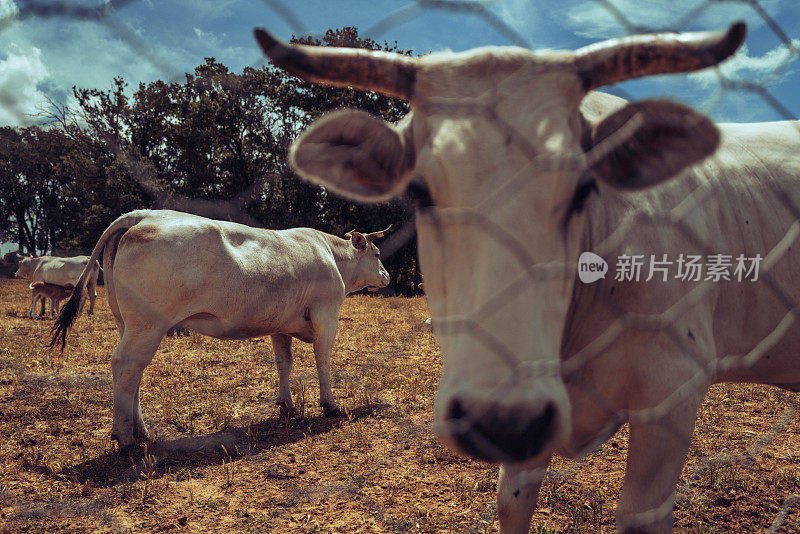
{"type": "Point", "coordinates": [480, 217]}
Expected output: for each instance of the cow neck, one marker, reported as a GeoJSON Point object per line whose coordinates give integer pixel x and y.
{"type": "Point", "coordinates": [346, 257]}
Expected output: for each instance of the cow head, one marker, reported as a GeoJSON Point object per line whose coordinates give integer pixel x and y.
{"type": "Point", "coordinates": [369, 271]}
{"type": "Point", "coordinates": [25, 268]}
{"type": "Point", "coordinates": [498, 148]}
{"type": "Point", "coordinates": [14, 257]}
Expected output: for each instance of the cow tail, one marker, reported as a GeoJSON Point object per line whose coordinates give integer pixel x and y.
{"type": "Point", "coordinates": [67, 316]}
{"type": "Point", "coordinates": [69, 312]}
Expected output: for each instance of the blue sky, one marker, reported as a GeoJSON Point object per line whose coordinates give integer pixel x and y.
{"type": "Point", "coordinates": [48, 55]}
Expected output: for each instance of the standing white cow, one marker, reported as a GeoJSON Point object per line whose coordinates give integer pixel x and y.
{"type": "Point", "coordinates": [61, 272]}
{"type": "Point", "coordinates": [522, 168]}
{"type": "Point", "coordinates": [166, 269]}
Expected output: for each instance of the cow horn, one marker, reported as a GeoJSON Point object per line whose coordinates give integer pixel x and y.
{"type": "Point", "coordinates": [378, 235]}
{"type": "Point", "coordinates": [349, 234]}
{"type": "Point", "coordinates": [616, 60]}
{"type": "Point", "coordinates": [384, 72]}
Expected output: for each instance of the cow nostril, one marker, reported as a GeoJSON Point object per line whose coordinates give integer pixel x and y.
{"type": "Point", "coordinates": [496, 432]}
{"type": "Point", "coordinates": [455, 412]}
{"type": "Point", "coordinates": [542, 425]}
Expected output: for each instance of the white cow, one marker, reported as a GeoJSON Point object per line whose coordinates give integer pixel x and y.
{"type": "Point", "coordinates": [167, 269]}
{"type": "Point", "coordinates": [522, 168]}
{"type": "Point", "coordinates": [41, 291]}
{"type": "Point", "coordinates": [61, 272]}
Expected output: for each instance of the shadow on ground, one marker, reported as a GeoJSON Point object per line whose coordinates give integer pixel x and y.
{"type": "Point", "coordinates": [156, 459]}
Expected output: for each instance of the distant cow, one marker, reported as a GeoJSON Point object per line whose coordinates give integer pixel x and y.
{"type": "Point", "coordinates": [40, 291]}
{"type": "Point", "coordinates": [61, 272]}
{"type": "Point", "coordinates": [166, 269]}
{"type": "Point", "coordinates": [14, 257]}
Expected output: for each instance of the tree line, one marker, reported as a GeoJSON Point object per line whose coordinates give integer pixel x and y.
{"type": "Point", "coordinates": [215, 144]}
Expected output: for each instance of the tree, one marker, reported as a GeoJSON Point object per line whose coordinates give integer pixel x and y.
{"type": "Point", "coordinates": [36, 179]}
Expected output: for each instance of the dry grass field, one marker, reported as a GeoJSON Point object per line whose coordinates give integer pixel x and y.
{"type": "Point", "coordinates": [223, 460]}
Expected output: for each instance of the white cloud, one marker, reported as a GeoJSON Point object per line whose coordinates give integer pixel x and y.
{"type": "Point", "coordinates": [8, 8]}
{"type": "Point", "coordinates": [211, 9]}
{"type": "Point", "coordinates": [88, 55]}
{"type": "Point", "coordinates": [49, 56]}
{"type": "Point", "coordinates": [593, 20]}
{"type": "Point", "coordinates": [570, 23]}
{"type": "Point", "coordinates": [208, 39]}
{"type": "Point", "coordinates": [768, 68]}
{"type": "Point", "coordinates": [524, 17]}
{"type": "Point", "coordinates": [20, 76]}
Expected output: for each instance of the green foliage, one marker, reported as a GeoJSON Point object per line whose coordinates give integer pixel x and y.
{"type": "Point", "coordinates": [215, 144]}
{"type": "Point", "coordinates": [54, 181]}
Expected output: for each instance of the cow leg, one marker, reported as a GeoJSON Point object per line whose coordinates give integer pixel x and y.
{"type": "Point", "coordinates": [90, 290]}
{"type": "Point", "coordinates": [656, 454]}
{"type": "Point", "coordinates": [324, 335]}
{"type": "Point", "coordinates": [517, 491]}
{"type": "Point", "coordinates": [32, 310]}
{"type": "Point", "coordinates": [132, 355]}
{"type": "Point", "coordinates": [111, 292]}
{"type": "Point", "coordinates": [139, 428]}
{"type": "Point", "coordinates": [282, 345]}
{"type": "Point", "coordinates": [120, 328]}
{"type": "Point", "coordinates": [35, 299]}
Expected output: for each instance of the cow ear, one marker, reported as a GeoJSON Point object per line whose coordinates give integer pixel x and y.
{"type": "Point", "coordinates": [647, 142]}
{"type": "Point", "coordinates": [354, 154]}
{"type": "Point", "coordinates": [359, 240]}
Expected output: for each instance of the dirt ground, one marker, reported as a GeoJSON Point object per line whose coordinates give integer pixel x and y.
{"type": "Point", "coordinates": [223, 460]}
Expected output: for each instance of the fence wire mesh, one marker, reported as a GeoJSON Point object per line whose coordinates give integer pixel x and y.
{"type": "Point", "coordinates": [479, 218]}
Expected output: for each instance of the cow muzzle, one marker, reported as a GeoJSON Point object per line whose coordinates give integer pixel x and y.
{"type": "Point", "coordinates": [505, 431]}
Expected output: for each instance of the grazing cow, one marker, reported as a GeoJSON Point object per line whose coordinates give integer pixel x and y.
{"type": "Point", "coordinates": [166, 269]}
{"type": "Point", "coordinates": [520, 166]}
{"type": "Point", "coordinates": [42, 291]}
{"type": "Point", "coordinates": [61, 272]}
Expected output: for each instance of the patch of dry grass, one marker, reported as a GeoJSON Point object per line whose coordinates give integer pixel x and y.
{"type": "Point", "coordinates": [223, 460]}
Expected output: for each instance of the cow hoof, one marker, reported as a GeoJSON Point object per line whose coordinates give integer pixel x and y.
{"type": "Point", "coordinates": [330, 409]}
{"type": "Point", "coordinates": [140, 435]}
{"type": "Point", "coordinates": [286, 411]}
{"type": "Point", "coordinates": [124, 449]}
{"type": "Point", "coordinates": [128, 450]}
